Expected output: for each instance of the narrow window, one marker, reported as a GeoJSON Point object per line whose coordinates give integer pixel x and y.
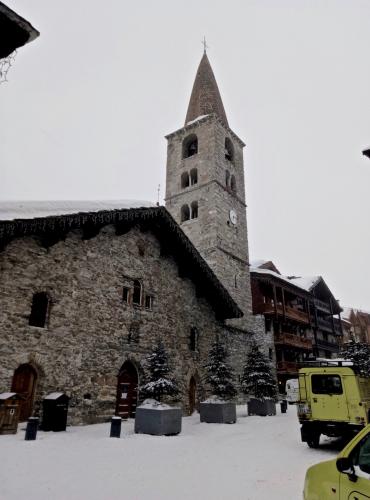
{"type": "Point", "coordinates": [194, 210]}
{"type": "Point", "coordinates": [229, 150]}
{"type": "Point", "coordinates": [270, 354]}
{"type": "Point", "coordinates": [141, 247]}
{"type": "Point", "coordinates": [136, 296]}
{"type": "Point", "coordinates": [193, 176]}
{"type": "Point", "coordinates": [227, 179]}
{"type": "Point", "coordinates": [184, 180]}
{"type": "Point", "coordinates": [125, 294]}
{"type": "Point", "coordinates": [233, 184]}
{"type": "Point", "coordinates": [194, 339]}
{"type": "Point", "coordinates": [39, 309]}
{"type": "Point", "coordinates": [148, 301]}
{"type": "Point", "coordinates": [236, 281]}
{"type": "Point", "coordinates": [190, 146]}
{"type": "Point", "coordinates": [185, 213]}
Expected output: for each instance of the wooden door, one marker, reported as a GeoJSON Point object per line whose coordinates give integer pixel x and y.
{"type": "Point", "coordinates": [127, 391]}
{"type": "Point", "coordinates": [192, 396]}
{"type": "Point", "coordinates": [24, 383]}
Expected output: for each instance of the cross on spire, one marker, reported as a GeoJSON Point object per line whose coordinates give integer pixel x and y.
{"type": "Point", "coordinates": [204, 43]}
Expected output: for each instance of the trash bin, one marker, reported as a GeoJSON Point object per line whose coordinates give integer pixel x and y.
{"type": "Point", "coordinates": [283, 406]}
{"type": "Point", "coordinates": [54, 412]}
{"type": "Point", "coordinates": [9, 412]}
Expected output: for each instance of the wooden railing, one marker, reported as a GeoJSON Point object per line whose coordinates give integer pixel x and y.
{"type": "Point", "coordinates": [290, 312]}
{"type": "Point", "coordinates": [325, 344]}
{"type": "Point", "coordinates": [293, 340]}
{"type": "Point", "coordinates": [287, 366]}
{"type": "Point", "coordinates": [323, 306]}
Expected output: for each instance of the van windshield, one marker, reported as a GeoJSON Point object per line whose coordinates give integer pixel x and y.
{"type": "Point", "coordinates": [326, 384]}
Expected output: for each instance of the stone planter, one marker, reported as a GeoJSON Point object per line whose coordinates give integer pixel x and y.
{"type": "Point", "coordinates": [218, 413]}
{"type": "Point", "coordinates": [158, 421]}
{"type": "Point", "coordinates": [261, 407]}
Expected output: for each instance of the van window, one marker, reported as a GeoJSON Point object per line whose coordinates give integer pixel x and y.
{"type": "Point", "coordinates": [326, 384]}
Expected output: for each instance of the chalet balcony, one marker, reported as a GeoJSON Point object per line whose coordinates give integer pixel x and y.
{"type": "Point", "coordinates": [323, 306]}
{"type": "Point", "coordinates": [290, 312]}
{"type": "Point", "coordinates": [328, 346]}
{"type": "Point", "coordinates": [327, 326]}
{"type": "Point", "coordinates": [292, 340]}
{"type": "Point", "coordinates": [287, 367]}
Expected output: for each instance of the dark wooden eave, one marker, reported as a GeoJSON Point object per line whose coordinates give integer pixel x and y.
{"type": "Point", "coordinates": [157, 220]}
{"type": "Point", "coordinates": [275, 280]}
{"type": "Point", "coordinates": [14, 31]}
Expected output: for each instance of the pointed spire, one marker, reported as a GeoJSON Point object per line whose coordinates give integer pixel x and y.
{"type": "Point", "coordinates": [205, 96]}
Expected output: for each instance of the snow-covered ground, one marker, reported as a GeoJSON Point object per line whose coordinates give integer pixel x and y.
{"type": "Point", "coordinates": [257, 458]}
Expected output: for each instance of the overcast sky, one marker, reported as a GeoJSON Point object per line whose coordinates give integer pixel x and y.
{"type": "Point", "coordinates": [88, 103]}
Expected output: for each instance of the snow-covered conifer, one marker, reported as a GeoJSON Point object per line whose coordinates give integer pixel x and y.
{"type": "Point", "coordinates": [159, 381]}
{"type": "Point", "coordinates": [257, 378]}
{"type": "Point", "coordinates": [219, 374]}
{"type": "Point", "coordinates": [359, 354]}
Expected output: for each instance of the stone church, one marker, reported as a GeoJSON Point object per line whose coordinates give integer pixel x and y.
{"type": "Point", "coordinates": [87, 288]}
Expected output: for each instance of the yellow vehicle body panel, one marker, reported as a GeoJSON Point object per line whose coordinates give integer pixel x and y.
{"type": "Point", "coordinates": [323, 481]}
{"type": "Point", "coordinates": [351, 405]}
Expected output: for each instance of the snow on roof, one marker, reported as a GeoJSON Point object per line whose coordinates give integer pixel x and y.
{"type": "Point", "coordinates": [54, 395]}
{"type": "Point", "coordinates": [7, 395]}
{"type": "Point", "coordinates": [276, 275]}
{"type": "Point", "coordinates": [196, 119]}
{"type": "Point", "coordinates": [10, 210]}
{"type": "Point", "coordinates": [305, 282]}
{"type": "Point", "coordinates": [258, 262]}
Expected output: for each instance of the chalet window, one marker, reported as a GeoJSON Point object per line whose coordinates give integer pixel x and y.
{"type": "Point", "coordinates": [233, 184]}
{"type": "Point", "coordinates": [193, 176]}
{"type": "Point", "coordinates": [184, 180]}
{"type": "Point", "coordinates": [229, 150]}
{"type": "Point", "coordinates": [194, 210]}
{"type": "Point", "coordinates": [126, 294]}
{"type": "Point", "coordinates": [190, 146]}
{"type": "Point", "coordinates": [194, 339]}
{"type": "Point", "coordinates": [136, 296]}
{"type": "Point", "coordinates": [39, 309]}
{"type": "Point", "coordinates": [148, 302]}
{"type": "Point", "coordinates": [185, 213]}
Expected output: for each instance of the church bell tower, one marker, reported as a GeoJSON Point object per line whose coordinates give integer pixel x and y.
{"type": "Point", "coordinates": [205, 190]}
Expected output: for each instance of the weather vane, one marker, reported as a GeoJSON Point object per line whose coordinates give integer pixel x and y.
{"type": "Point", "coordinates": [205, 45]}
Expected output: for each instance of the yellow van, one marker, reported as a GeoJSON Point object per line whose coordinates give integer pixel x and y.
{"type": "Point", "coordinates": [334, 400]}
{"type": "Point", "coordinates": [345, 478]}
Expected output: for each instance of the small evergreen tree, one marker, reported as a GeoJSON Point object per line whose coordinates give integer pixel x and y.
{"type": "Point", "coordinates": [159, 382]}
{"type": "Point", "coordinates": [219, 373]}
{"type": "Point", "coordinates": [257, 378]}
{"type": "Point", "coordinates": [359, 354]}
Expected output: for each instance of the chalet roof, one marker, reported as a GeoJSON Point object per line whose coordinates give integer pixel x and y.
{"type": "Point", "coordinates": [14, 31]}
{"type": "Point", "coordinates": [52, 228]}
{"type": "Point", "coordinates": [316, 285]}
{"type": "Point", "coordinates": [258, 271]}
{"type": "Point", "coordinates": [205, 97]}
{"type": "Point", "coordinates": [306, 282]}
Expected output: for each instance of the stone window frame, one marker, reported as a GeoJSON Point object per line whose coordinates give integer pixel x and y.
{"type": "Point", "coordinates": [229, 150]}
{"type": "Point", "coordinates": [190, 141]}
{"type": "Point", "coordinates": [194, 339]}
{"type": "Point", "coordinates": [35, 315]}
{"type": "Point", "coordinates": [128, 294]}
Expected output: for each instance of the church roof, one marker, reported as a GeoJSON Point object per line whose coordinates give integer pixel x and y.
{"type": "Point", "coordinates": [205, 97]}
{"type": "Point", "coordinates": [53, 228]}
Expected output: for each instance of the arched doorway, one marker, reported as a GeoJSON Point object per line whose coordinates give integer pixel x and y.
{"type": "Point", "coordinates": [24, 383]}
{"type": "Point", "coordinates": [193, 402]}
{"type": "Point", "coordinates": [127, 391]}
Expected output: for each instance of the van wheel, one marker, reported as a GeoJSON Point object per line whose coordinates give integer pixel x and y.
{"type": "Point", "coordinates": [314, 440]}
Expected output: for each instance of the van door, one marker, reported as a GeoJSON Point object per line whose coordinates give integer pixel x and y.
{"type": "Point", "coordinates": [329, 400]}
{"type": "Point", "coordinates": [360, 488]}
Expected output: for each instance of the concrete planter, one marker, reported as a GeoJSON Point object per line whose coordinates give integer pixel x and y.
{"type": "Point", "coordinates": [218, 413]}
{"type": "Point", "coordinates": [158, 422]}
{"type": "Point", "coordinates": [261, 407]}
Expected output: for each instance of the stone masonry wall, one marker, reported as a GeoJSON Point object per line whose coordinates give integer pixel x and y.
{"type": "Point", "coordinates": [86, 338]}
